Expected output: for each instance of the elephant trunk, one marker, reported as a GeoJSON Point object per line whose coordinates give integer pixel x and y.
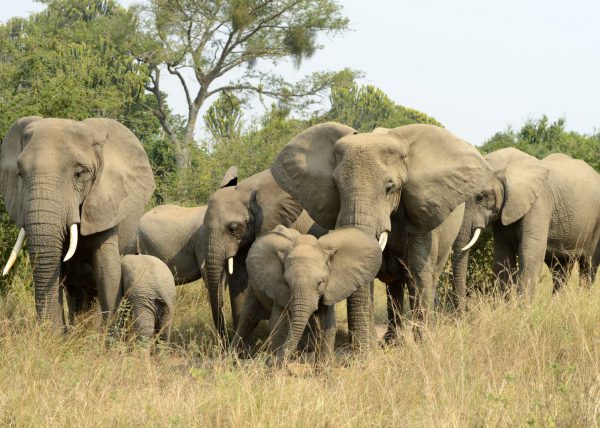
{"type": "Point", "coordinates": [301, 308]}
{"type": "Point", "coordinates": [366, 213]}
{"type": "Point", "coordinates": [460, 262]}
{"type": "Point", "coordinates": [214, 266]}
{"type": "Point", "coordinates": [45, 226]}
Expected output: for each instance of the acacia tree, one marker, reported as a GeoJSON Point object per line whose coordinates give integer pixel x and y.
{"type": "Point", "coordinates": [202, 42]}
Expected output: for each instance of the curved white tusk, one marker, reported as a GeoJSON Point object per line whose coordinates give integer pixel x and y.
{"type": "Point", "coordinates": [473, 239]}
{"type": "Point", "coordinates": [72, 242]}
{"type": "Point", "coordinates": [15, 252]}
{"type": "Point", "coordinates": [230, 265]}
{"type": "Point", "coordinates": [383, 240]}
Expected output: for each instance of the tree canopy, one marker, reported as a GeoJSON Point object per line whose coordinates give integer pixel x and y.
{"type": "Point", "coordinates": [204, 43]}
{"type": "Point", "coordinates": [540, 137]}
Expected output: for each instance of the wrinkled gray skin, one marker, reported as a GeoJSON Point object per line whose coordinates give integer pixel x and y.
{"type": "Point", "coordinates": [57, 172]}
{"type": "Point", "coordinates": [342, 178]}
{"type": "Point", "coordinates": [149, 286]}
{"type": "Point", "coordinates": [177, 236]}
{"type": "Point", "coordinates": [294, 276]}
{"type": "Point", "coordinates": [235, 217]}
{"type": "Point", "coordinates": [540, 211]}
{"type": "Point", "coordinates": [415, 260]}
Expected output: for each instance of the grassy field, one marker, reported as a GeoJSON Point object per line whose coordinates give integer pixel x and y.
{"type": "Point", "coordinates": [502, 364]}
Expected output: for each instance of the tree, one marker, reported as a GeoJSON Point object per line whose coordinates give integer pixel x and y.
{"type": "Point", "coordinates": [367, 107]}
{"type": "Point", "coordinates": [540, 138]}
{"type": "Point", "coordinates": [228, 38]}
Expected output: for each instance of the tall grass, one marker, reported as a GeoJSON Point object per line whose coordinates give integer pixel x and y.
{"type": "Point", "coordinates": [504, 363]}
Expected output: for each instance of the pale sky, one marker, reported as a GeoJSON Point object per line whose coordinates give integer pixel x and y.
{"type": "Point", "coordinates": [475, 65]}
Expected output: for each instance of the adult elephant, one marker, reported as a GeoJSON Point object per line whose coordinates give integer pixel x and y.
{"type": "Point", "coordinates": [235, 217]}
{"type": "Point", "coordinates": [89, 180]}
{"type": "Point", "coordinates": [177, 236]}
{"type": "Point", "coordinates": [540, 211]}
{"type": "Point", "coordinates": [420, 173]}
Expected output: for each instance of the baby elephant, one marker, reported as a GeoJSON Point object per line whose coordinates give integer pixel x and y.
{"type": "Point", "coordinates": [293, 277]}
{"type": "Point", "coordinates": [149, 286]}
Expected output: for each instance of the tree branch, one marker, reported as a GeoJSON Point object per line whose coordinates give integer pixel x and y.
{"type": "Point", "coordinates": [176, 72]}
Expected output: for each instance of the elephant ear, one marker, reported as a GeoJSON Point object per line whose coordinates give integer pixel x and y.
{"type": "Point", "coordinates": [11, 184]}
{"type": "Point", "coordinates": [265, 264]}
{"type": "Point", "coordinates": [304, 169]}
{"type": "Point", "coordinates": [355, 259]}
{"type": "Point", "coordinates": [230, 177]}
{"type": "Point", "coordinates": [124, 181]}
{"type": "Point", "coordinates": [443, 172]}
{"type": "Point", "coordinates": [524, 180]}
{"type": "Point", "coordinates": [271, 205]}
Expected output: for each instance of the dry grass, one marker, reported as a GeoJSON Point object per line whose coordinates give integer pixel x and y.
{"type": "Point", "coordinates": [502, 364]}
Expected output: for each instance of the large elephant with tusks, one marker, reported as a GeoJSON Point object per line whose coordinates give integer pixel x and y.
{"type": "Point", "coordinates": [76, 189]}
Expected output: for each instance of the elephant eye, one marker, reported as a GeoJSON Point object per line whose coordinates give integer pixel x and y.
{"type": "Point", "coordinates": [79, 172]}
{"type": "Point", "coordinates": [389, 187]}
{"type": "Point", "coordinates": [234, 228]}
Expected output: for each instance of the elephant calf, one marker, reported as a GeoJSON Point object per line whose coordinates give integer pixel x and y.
{"type": "Point", "coordinates": [293, 277]}
{"type": "Point", "coordinates": [149, 286]}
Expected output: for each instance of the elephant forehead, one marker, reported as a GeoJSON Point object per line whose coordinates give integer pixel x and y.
{"type": "Point", "coordinates": [376, 144]}
{"type": "Point", "coordinates": [309, 262]}
{"type": "Point", "coordinates": [227, 199]}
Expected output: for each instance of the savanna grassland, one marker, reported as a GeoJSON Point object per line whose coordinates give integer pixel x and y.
{"type": "Point", "coordinates": [502, 364]}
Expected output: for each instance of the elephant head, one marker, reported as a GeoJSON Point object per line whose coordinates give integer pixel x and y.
{"type": "Point", "coordinates": [236, 214]}
{"type": "Point", "coordinates": [59, 176]}
{"type": "Point", "coordinates": [516, 182]}
{"type": "Point", "coordinates": [297, 271]}
{"type": "Point", "coordinates": [345, 178]}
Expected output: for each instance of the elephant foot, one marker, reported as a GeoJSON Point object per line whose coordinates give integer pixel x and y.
{"type": "Point", "coordinates": [391, 338]}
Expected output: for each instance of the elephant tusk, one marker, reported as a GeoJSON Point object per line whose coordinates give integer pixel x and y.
{"type": "Point", "coordinates": [473, 239]}
{"type": "Point", "coordinates": [383, 240]}
{"type": "Point", "coordinates": [73, 233]}
{"type": "Point", "coordinates": [230, 265]}
{"type": "Point", "coordinates": [15, 252]}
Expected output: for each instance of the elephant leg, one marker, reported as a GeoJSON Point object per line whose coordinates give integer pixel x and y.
{"type": "Point", "coordinates": [327, 332]}
{"type": "Point", "coordinates": [106, 265]}
{"type": "Point", "coordinates": [587, 271]}
{"type": "Point", "coordinates": [505, 264]}
{"type": "Point", "coordinates": [559, 269]}
{"type": "Point", "coordinates": [395, 304]}
{"type": "Point", "coordinates": [251, 314]}
{"type": "Point", "coordinates": [278, 326]}
{"type": "Point", "coordinates": [359, 318]}
{"type": "Point", "coordinates": [421, 266]}
{"type": "Point", "coordinates": [531, 251]}
{"type": "Point", "coordinates": [79, 288]}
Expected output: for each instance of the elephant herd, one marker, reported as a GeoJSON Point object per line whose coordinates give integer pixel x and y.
{"type": "Point", "coordinates": [336, 210]}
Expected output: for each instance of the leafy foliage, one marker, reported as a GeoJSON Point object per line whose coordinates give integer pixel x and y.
{"type": "Point", "coordinates": [367, 107]}
{"type": "Point", "coordinates": [540, 138]}
{"type": "Point", "coordinates": [216, 39]}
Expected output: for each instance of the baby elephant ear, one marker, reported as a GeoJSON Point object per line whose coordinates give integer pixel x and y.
{"type": "Point", "coordinates": [124, 182]}
{"type": "Point", "coordinates": [355, 261]}
{"type": "Point", "coordinates": [265, 264]}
